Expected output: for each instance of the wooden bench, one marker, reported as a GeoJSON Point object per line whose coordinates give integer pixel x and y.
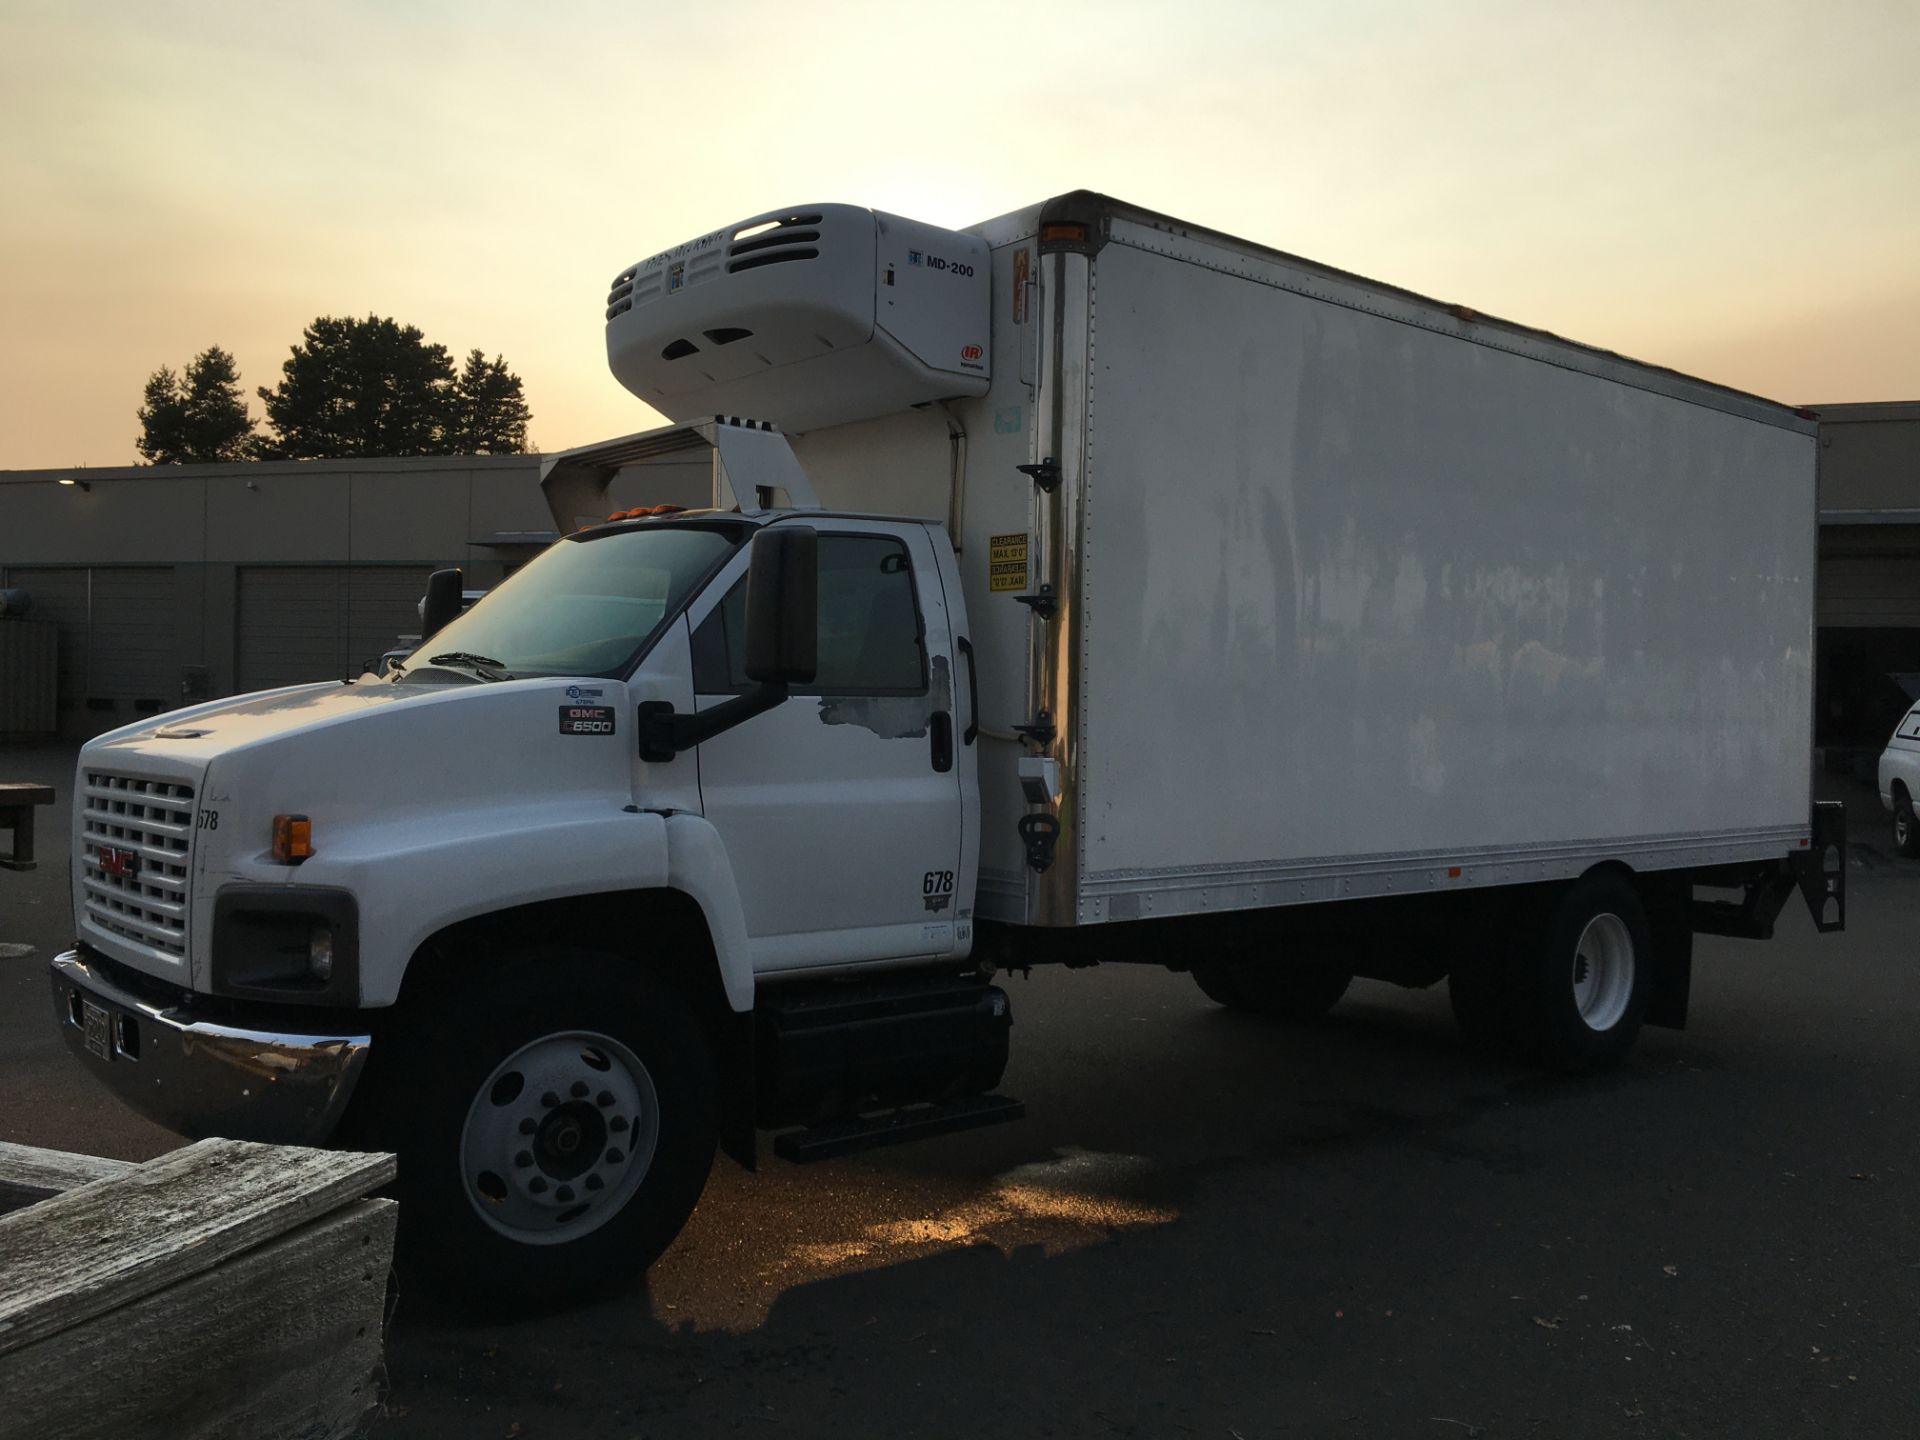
{"type": "Point", "coordinates": [226, 1289]}
{"type": "Point", "coordinates": [17, 802]}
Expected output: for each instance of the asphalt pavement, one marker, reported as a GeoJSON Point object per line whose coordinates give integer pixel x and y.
{"type": "Point", "coordinates": [1213, 1226]}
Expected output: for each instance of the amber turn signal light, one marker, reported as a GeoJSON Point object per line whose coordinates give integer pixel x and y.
{"type": "Point", "coordinates": [292, 839]}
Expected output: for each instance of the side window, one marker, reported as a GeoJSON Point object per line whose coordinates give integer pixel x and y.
{"type": "Point", "coordinates": [719, 646]}
{"type": "Point", "coordinates": [871, 638]}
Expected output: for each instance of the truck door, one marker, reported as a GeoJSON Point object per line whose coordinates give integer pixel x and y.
{"type": "Point", "coordinates": [841, 808]}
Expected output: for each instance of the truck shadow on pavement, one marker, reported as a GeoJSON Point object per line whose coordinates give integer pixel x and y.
{"type": "Point", "coordinates": [1210, 1225]}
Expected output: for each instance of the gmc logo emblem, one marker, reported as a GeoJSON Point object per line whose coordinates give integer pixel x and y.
{"type": "Point", "coordinates": [971, 352]}
{"type": "Point", "coordinates": [121, 864]}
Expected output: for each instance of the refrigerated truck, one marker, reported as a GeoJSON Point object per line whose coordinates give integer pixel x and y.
{"type": "Point", "coordinates": [1084, 587]}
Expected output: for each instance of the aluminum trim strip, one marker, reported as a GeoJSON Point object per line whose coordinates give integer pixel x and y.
{"type": "Point", "coordinates": [1776, 841]}
{"type": "Point", "coordinates": [1115, 897]}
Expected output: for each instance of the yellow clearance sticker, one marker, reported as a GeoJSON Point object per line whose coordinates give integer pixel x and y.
{"type": "Point", "coordinates": [1007, 563]}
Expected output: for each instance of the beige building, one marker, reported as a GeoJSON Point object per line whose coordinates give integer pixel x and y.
{"type": "Point", "coordinates": [1869, 579]}
{"type": "Point", "coordinates": [170, 583]}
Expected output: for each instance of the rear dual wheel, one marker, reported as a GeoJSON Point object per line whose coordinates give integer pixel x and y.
{"type": "Point", "coordinates": [1568, 988]}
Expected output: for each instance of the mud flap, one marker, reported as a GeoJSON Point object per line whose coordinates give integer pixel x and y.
{"type": "Point", "coordinates": [739, 1136]}
{"type": "Point", "coordinates": [1671, 983]}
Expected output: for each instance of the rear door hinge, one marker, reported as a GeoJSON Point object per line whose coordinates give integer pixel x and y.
{"type": "Point", "coordinates": [1044, 603]}
{"type": "Point", "coordinates": [1044, 473]}
{"type": "Point", "coordinates": [1041, 731]}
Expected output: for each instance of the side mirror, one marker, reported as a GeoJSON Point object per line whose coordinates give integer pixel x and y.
{"type": "Point", "coordinates": [445, 593]}
{"type": "Point", "coordinates": [783, 608]}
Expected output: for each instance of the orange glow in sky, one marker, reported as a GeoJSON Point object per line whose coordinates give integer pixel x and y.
{"type": "Point", "coordinates": [1732, 189]}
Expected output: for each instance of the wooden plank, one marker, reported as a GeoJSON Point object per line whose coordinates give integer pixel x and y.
{"type": "Point", "coordinates": [103, 1246]}
{"type": "Point", "coordinates": [281, 1341]}
{"type": "Point", "coordinates": [29, 1173]}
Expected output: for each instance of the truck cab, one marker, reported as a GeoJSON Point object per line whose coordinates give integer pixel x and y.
{"type": "Point", "coordinates": [730, 739]}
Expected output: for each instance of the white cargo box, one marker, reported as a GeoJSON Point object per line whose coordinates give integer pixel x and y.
{"type": "Point", "coordinates": [1338, 592]}
{"type": "Point", "coordinates": [1355, 593]}
{"type": "Point", "coordinates": [806, 317]}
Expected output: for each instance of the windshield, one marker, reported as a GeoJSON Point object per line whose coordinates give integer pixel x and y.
{"type": "Point", "coordinates": [587, 605]}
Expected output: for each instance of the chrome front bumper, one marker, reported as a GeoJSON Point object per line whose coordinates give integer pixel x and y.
{"type": "Point", "coordinates": [204, 1077]}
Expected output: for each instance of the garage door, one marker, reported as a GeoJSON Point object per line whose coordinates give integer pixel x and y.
{"type": "Point", "coordinates": [116, 632]}
{"type": "Point", "coordinates": [133, 628]}
{"type": "Point", "coordinates": [299, 623]}
{"type": "Point", "coordinates": [1872, 591]}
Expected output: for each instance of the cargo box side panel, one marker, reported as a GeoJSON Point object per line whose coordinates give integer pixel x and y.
{"type": "Point", "coordinates": [1364, 604]}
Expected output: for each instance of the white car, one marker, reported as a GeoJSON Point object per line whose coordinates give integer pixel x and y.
{"type": "Point", "coordinates": [1900, 781]}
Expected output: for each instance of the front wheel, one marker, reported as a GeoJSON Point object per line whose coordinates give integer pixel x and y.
{"type": "Point", "coordinates": [555, 1124]}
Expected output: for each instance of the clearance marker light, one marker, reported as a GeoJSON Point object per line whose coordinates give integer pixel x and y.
{"type": "Point", "coordinates": [1063, 232]}
{"type": "Point", "coordinates": [292, 839]}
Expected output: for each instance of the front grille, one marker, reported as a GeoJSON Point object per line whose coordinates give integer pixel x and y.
{"type": "Point", "coordinates": [136, 838]}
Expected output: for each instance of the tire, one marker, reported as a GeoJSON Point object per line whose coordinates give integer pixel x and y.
{"type": "Point", "coordinates": [555, 1124]}
{"type": "Point", "coordinates": [1582, 975]}
{"type": "Point", "coordinates": [1216, 982]}
{"type": "Point", "coordinates": [1539, 1000]}
{"type": "Point", "coordinates": [1906, 827]}
{"type": "Point", "coordinates": [1277, 989]}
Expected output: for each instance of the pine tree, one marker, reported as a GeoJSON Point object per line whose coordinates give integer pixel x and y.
{"type": "Point", "coordinates": [217, 424]}
{"type": "Point", "coordinates": [490, 409]}
{"type": "Point", "coordinates": [198, 417]}
{"type": "Point", "coordinates": [163, 420]}
{"type": "Point", "coordinates": [356, 388]}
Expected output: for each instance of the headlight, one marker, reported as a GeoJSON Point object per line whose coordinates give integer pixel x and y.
{"type": "Point", "coordinates": [299, 944]}
{"type": "Point", "coordinates": [320, 954]}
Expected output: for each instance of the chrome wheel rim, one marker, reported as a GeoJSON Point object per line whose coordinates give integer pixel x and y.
{"type": "Point", "coordinates": [1899, 827]}
{"type": "Point", "coordinates": [1603, 971]}
{"type": "Point", "coordinates": [559, 1137]}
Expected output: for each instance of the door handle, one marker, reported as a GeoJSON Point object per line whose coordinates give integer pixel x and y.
{"type": "Point", "coordinates": [965, 647]}
{"type": "Point", "coordinates": [942, 732]}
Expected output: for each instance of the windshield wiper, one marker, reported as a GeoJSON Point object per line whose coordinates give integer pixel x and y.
{"type": "Point", "coordinates": [479, 664]}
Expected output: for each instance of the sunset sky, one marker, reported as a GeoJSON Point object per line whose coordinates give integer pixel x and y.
{"type": "Point", "coordinates": [1732, 189]}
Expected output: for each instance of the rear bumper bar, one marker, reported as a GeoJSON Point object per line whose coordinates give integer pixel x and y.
{"type": "Point", "coordinates": [199, 1076]}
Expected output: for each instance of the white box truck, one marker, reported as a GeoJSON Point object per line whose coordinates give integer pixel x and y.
{"type": "Point", "coordinates": [1084, 587]}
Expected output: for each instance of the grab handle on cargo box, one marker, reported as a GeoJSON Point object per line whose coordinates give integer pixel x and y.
{"type": "Point", "coordinates": [972, 732]}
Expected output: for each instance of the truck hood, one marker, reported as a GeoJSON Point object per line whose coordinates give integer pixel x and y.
{"type": "Point", "coordinates": [359, 760]}
{"type": "Point", "coordinates": [200, 732]}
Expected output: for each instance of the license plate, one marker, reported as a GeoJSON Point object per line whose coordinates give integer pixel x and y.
{"type": "Point", "coordinates": [99, 1030]}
